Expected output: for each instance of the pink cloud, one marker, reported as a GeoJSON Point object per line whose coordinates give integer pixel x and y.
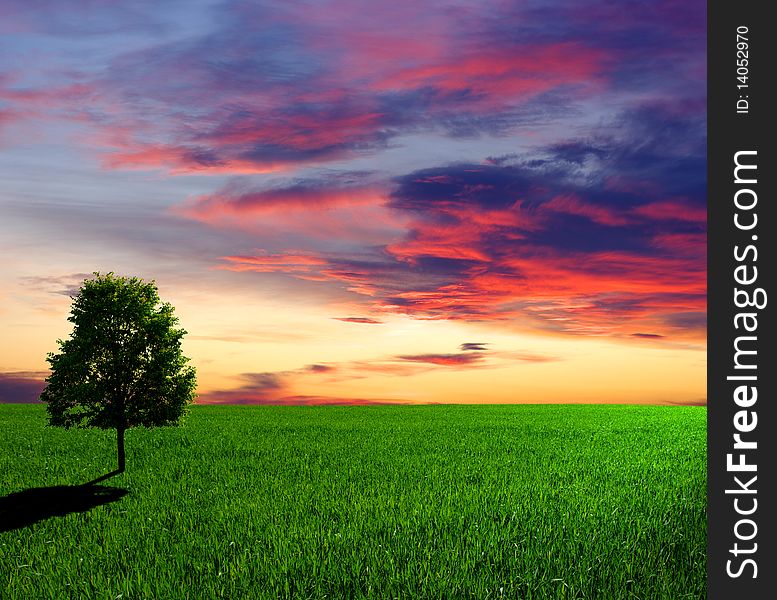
{"type": "Point", "coordinates": [572, 205]}
{"type": "Point", "coordinates": [275, 263]}
{"type": "Point", "coordinates": [672, 210]}
{"type": "Point", "coordinates": [234, 201]}
{"type": "Point", "coordinates": [362, 320]}
{"type": "Point", "coordinates": [448, 360]}
{"type": "Point", "coordinates": [499, 77]}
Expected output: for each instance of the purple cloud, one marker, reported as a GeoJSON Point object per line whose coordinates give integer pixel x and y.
{"type": "Point", "coordinates": [21, 387]}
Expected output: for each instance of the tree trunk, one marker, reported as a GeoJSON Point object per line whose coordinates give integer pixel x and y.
{"type": "Point", "coordinates": [120, 447]}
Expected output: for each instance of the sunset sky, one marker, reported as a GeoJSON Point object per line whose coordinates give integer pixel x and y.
{"type": "Point", "coordinates": [356, 202]}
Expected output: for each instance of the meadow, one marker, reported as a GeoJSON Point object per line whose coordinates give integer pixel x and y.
{"type": "Point", "coordinates": [518, 501]}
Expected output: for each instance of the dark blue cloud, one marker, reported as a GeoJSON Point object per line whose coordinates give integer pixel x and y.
{"type": "Point", "coordinates": [485, 186]}
{"type": "Point", "coordinates": [21, 387]}
{"type": "Point", "coordinates": [572, 233]}
{"type": "Point", "coordinates": [473, 347]}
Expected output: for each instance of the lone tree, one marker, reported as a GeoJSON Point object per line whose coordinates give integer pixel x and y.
{"type": "Point", "coordinates": [122, 365]}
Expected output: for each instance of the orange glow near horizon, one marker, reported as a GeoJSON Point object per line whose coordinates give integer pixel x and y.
{"type": "Point", "coordinates": [318, 356]}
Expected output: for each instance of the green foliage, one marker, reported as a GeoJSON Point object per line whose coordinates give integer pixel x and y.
{"type": "Point", "coordinates": [122, 365]}
{"type": "Point", "coordinates": [521, 502]}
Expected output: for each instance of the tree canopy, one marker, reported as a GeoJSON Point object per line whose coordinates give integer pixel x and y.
{"type": "Point", "coordinates": [122, 365]}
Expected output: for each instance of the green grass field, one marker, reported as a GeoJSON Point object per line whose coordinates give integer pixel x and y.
{"type": "Point", "coordinates": [520, 501]}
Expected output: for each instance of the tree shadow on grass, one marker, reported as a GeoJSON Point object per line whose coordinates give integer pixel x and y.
{"type": "Point", "coordinates": [22, 509]}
